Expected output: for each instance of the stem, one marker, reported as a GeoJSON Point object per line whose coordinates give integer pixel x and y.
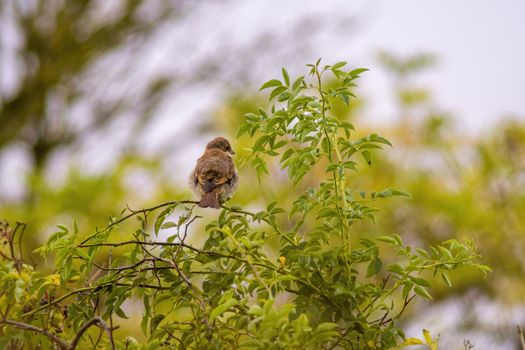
{"type": "Point", "coordinates": [88, 289]}
{"type": "Point", "coordinates": [331, 145]}
{"type": "Point", "coordinates": [61, 343]}
{"type": "Point", "coordinates": [57, 300]}
{"type": "Point", "coordinates": [133, 213]}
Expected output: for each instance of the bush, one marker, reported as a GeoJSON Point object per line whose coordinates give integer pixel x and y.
{"type": "Point", "coordinates": [280, 278]}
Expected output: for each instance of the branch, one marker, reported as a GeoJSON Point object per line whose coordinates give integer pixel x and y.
{"type": "Point", "coordinates": [122, 268]}
{"type": "Point", "coordinates": [94, 321]}
{"type": "Point", "coordinates": [62, 344]}
{"type": "Point", "coordinates": [382, 320]}
{"type": "Point", "coordinates": [118, 244]}
{"type": "Point", "coordinates": [330, 159]}
{"type": "Point", "coordinates": [88, 289]}
{"type": "Point", "coordinates": [135, 212]}
{"type": "Point", "coordinates": [57, 300]}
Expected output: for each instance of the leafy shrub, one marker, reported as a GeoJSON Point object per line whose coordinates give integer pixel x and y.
{"type": "Point", "coordinates": [278, 278]}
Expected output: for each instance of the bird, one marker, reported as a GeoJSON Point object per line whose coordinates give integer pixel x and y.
{"type": "Point", "coordinates": [215, 178]}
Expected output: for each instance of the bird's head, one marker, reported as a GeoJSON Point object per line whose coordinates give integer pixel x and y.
{"type": "Point", "coordinates": [220, 143]}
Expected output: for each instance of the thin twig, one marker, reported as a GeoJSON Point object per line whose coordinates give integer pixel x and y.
{"type": "Point", "coordinates": [382, 320]}
{"type": "Point", "coordinates": [118, 244]}
{"type": "Point", "coordinates": [122, 268]}
{"type": "Point", "coordinates": [135, 212]}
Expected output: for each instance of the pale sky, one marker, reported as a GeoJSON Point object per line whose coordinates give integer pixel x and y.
{"type": "Point", "coordinates": [480, 75]}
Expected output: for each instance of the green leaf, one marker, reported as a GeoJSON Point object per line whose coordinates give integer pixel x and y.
{"type": "Point", "coordinates": [277, 91]}
{"type": "Point", "coordinates": [63, 228]}
{"type": "Point", "coordinates": [286, 77]}
{"type": "Point", "coordinates": [326, 326]}
{"type": "Point", "coordinates": [345, 98]}
{"type": "Point", "coordinates": [280, 144]}
{"type": "Point", "coordinates": [407, 287]}
{"type": "Point", "coordinates": [168, 224]}
{"type": "Point", "coordinates": [387, 239]}
{"type": "Point", "coordinates": [260, 142]}
{"type": "Point", "coordinates": [374, 267]}
{"type": "Point", "coordinates": [412, 341]}
{"type": "Point", "coordinates": [154, 344]}
{"type": "Point", "coordinates": [268, 306]}
{"type": "Point", "coordinates": [396, 268]}
{"type": "Point", "coordinates": [421, 291]}
{"type": "Point", "coordinates": [325, 336]}
{"type": "Point", "coordinates": [286, 154]}
{"type": "Point", "coordinates": [445, 278]}
{"type": "Point", "coordinates": [222, 308]}
{"type": "Point", "coordinates": [297, 83]}
{"type": "Point", "coordinates": [326, 212]}
{"type": "Point", "coordinates": [426, 335]}
{"type": "Point", "coordinates": [484, 269]}
{"type": "Point", "coordinates": [260, 167]}
{"type": "Point", "coordinates": [357, 71]}
{"type": "Point", "coordinates": [270, 83]}
{"type": "Point", "coordinates": [379, 139]}
{"type": "Point", "coordinates": [120, 313]}
{"type": "Point", "coordinates": [339, 65]}
{"type": "Point", "coordinates": [243, 129]}
{"type": "Point", "coordinates": [395, 192]}
{"type": "Point", "coordinates": [368, 158]}
{"type": "Point", "coordinates": [421, 281]}
{"type": "Point", "coordinates": [255, 310]}
{"type": "Point", "coordinates": [155, 321]}
{"type": "Point", "coordinates": [160, 218]}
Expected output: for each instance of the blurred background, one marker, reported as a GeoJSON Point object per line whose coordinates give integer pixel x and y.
{"type": "Point", "coordinates": [107, 104]}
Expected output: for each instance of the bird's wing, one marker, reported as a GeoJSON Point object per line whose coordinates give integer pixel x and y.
{"type": "Point", "coordinates": [210, 184]}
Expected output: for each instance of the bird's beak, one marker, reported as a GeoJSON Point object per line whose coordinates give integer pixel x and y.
{"type": "Point", "coordinates": [232, 152]}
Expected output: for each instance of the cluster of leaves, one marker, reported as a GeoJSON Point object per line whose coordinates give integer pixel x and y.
{"type": "Point", "coordinates": [273, 279]}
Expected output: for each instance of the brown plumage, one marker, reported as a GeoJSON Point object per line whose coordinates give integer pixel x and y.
{"type": "Point", "coordinates": [214, 178]}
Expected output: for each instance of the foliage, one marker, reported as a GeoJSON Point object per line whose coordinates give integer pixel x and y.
{"type": "Point", "coordinates": [277, 278]}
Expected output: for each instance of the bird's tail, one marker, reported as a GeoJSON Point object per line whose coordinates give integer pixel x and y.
{"type": "Point", "coordinates": [210, 200]}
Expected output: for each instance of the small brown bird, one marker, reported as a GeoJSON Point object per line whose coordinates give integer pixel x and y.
{"type": "Point", "coordinates": [215, 178]}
